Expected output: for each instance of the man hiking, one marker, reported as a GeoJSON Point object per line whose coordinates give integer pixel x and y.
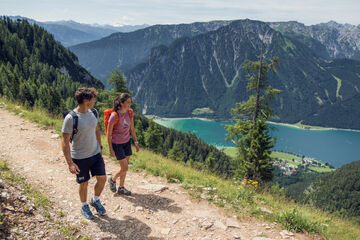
{"type": "Point", "coordinates": [85, 155]}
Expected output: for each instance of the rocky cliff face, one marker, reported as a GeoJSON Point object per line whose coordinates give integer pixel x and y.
{"type": "Point", "coordinates": [339, 40]}
{"type": "Point", "coordinates": [205, 72]}
{"type": "Point", "coordinates": [126, 50]}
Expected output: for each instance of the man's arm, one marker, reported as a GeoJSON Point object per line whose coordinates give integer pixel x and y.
{"type": "Point", "coordinates": [73, 168]}
{"type": "Point", "coordinates": [98, 135]}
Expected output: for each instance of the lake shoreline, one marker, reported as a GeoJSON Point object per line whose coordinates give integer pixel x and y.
{"type": "Point", "coordinates": [335, 147]}
{"type": "Point", "coordinates": [154, 117]}
{"type": "Point", "coordinates": [311, 128]}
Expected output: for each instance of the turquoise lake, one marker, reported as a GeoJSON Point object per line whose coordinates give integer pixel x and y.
{"type": "Point", "coordinates": [337, 147]}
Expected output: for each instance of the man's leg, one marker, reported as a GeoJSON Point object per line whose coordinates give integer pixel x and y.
{"type": "Point", "coordinates": [85, 210]}
{"type": "Point", "coordinates": [98, 170]}
{"type": "Point", "coordinates": [82, 178]}
{"type": "Point", "coordinates": [100, 184]}
{"type": "Point", "coordinates": [83, 191]}
{"type": "Point", "coordinates": [95, 200]}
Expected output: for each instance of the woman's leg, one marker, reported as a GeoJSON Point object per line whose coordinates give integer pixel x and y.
{"type": "Point", "coordinates": [124, 163]}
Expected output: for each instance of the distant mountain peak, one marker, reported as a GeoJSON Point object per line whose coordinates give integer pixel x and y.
{"type": "Point", "coordinates": [70, 32]}
{"type": "Point", "coordinates": [334, 24]}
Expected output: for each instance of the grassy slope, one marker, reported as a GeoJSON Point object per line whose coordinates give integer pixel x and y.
{"type": "Point", "coordinates": [232, 153]}
{"type": "Point", "coordinates": [244, 199]}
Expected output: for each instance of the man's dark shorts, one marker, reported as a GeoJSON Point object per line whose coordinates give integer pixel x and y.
{"type": "Point", "coordinates": [94, 164]}
{"type": "Point", "coordinates": [122, 150]}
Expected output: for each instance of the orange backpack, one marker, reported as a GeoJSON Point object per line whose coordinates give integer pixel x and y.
{"type": "Point", "coordinates": [107, 114]}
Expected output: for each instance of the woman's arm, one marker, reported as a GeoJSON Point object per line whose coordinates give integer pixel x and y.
{"type": "Point", "coordinates": [133, 134]}
{"type": "Point", "coordinates": [109, 131]}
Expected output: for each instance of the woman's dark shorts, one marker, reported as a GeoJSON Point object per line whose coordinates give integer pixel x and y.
{"type": "Point", "coordinates": [94, 164]}
{"type": "Point", "coordinates": [122, 150]}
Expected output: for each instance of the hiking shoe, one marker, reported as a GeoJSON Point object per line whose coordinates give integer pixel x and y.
{"type": "Point", "coordinates": [85, 210]}
{"type": "Point", "coordinates": [124, 191]}
{"type": "Point", "coordinates": [112, 185]}
{"type": "Point", "coordinates": [98, 206]}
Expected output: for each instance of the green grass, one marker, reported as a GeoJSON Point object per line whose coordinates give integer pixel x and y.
{"type": "Point", "coordinates": [200, 111]}
{"type": "Point", "coordinates": [338, 80]}
{"type": "Point", "coordinates": [295, 221]}
{"type": "Point", "coordinates": [321, 169]}
{"type": "Point", "coordinates": [3, 166]}
{"type": "Point", "coordinates": [292, 163]}
{"type": "Point", "coordinates": [290, 45]}
{"type": "Point", "coordinates": [286, 156]}
{"type": "Point", "coordinates": [231, 151]}
{"type": "Point", "coordinates": [299, 124]}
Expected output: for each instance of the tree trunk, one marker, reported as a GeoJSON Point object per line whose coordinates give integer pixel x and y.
{"type": "Point", "coordinates": [256, 110]}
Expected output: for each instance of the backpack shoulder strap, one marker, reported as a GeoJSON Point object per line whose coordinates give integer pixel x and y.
{"type": "Point", "coordinates": [65, 113]}
{"type": "Point", "coordinates": [95, 112]}
{"type": "Point", "coordinates": [116, 118]}
{"type": "Point", "coordinates": [75, 124]}
{"type": "Point", "coordinates": [130, 112]}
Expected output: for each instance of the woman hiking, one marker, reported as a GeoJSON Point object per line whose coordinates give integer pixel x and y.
{"type": "Point", "coordinates": [121, 124]}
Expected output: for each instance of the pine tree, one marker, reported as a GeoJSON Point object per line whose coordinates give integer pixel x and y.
{"type": "Point", "coordinates": [250, 132]}
{"type": "Point", "coordinates": [118, 82]}
{"type": "Point", "coordinates": [153, 137]}
{"type": "Point", "coordinates": [176, 152]}
{"type": "Point", "coordinates": [139, 132]}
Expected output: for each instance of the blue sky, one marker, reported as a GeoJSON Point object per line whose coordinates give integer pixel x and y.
{"type": "Point", "coordinates": [134, 12]}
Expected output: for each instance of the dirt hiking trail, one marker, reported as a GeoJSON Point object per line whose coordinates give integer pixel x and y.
{"type": "Point", "coordinates": [156, 210]}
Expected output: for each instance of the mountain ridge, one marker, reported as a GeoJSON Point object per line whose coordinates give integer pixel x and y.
{"type": "Point", "coordinates": [213, 77]}
{"type": "Point", "coordinates": [340, 40]}
{"type": "Point", "coordinates": [118, 57]}
{"type": "Point", "coordinates": [126, 50]}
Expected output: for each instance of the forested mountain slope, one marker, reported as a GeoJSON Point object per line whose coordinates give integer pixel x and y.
{"type": "Point", "coordinates": [338, 191]}
{"type": "Point", "coordinates": [36, 69]}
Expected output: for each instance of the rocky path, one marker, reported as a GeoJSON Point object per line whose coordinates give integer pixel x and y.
{"type": "Point", "coordinates": [156, 210]}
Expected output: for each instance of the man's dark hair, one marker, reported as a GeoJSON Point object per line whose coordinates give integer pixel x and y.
{"type": "Point", "coordinates": [85, 93]}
